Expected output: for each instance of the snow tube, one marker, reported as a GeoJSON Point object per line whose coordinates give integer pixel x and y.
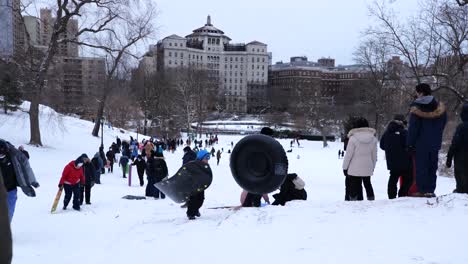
{"type": "Point", "coordinates": [259, 164]}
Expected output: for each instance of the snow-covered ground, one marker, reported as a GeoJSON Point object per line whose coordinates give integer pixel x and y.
{"type": "Point", "coordinates": [323, 229]}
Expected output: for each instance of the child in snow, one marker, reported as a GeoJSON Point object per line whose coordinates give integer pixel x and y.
{"type": "Point", "coordinates": [459, 152]}
{"type": "Point", "coordinates": [360, 160]}
{"type": "Point", "coordinates": [72, 178]}
{"type": "Point", "coordinates": [195, 201]}
{"type": "Point", "coordinates": [291, 189]}
{"type": "Point", "coordinates": [123, 162]}
{"type": "Point", "coordinates": [141, 165]}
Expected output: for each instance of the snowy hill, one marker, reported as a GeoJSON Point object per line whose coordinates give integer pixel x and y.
{"type": "Point", "coordinates": [323, 229]}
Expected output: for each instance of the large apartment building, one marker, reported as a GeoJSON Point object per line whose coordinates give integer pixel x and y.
{"type": "Point", "coordinates": [11, 28]}
{"type": "Point", "coordinates": [66, 49]}
{"type": "Point", "coordinates": [238, 67]}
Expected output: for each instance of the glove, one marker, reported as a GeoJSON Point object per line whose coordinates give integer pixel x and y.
{"type": "Point", "coordinates": [345, 172]}
{"type": "Point", "coordinates": [35, 184]}
{"type": "Point", "coordinates": [60, 186]}
{"type": "Point", "coordinates": [448, 164]}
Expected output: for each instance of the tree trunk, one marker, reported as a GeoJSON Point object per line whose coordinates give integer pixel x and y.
{"type": "Point", "coordinates": [34, 122]}
{"type": "Point", "coordinates": [100, 113]}
{"type": "Point", "coordinates": [324, 138]}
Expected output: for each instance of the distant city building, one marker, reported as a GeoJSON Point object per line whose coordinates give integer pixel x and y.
{"type": "Point", "coordinates": [11, 29]}
{"type": "Point", "coordinates": [66, 49]}
{"type": "Point", "coordinates": [322, 80]}
{"type": "Point", "coordinates": [33, 27]}
{"type": "Point", "coordinates": [239, 67]}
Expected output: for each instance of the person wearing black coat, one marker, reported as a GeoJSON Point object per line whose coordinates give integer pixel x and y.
{"type": "Point", "coordinates": [90, 174]}
{"type": "Point", "coordinates": [141, 165]}
{"type": "Point", "coordinates": [188, 156]}
{"type": "Point", "coordinates": [459, 153]}
{"type": "Point", "coordinates": [6, 243]}
{"type": "Point", "coordinates": [110, 155]}
{"type": "Point", "coordinates": [123, 162]}
{"type": "Point", "coordinates": [21, 148]}
{"type": "Point", "coordinates": [119, 144]}
{"type": "Point", "coordinates": [289, 191]}
{"type": "Point", "coordinates": [104, 159]}
{"type": "Point", "coordinates": [156, 170]}
{"type": "Point", "coordinates": [393, 142]}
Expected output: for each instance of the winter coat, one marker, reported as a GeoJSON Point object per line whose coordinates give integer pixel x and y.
{"type": "Point", "coordinates": [123, 161]}
{"type": "Point", "coordinates": [289, 191]}
{"type": "Point", "coordinates": [393, 142]}
{"type": "Point", "coordinates": [157, 169]}
{"type": "Point", "coordinates": [361, 155]}
{"type": "Point", "coordinates": [110, 156]}
{"type": "Point", "coordinates": [25, 153]}
{"type": "Point", "coordinates": [5, 231]}
{"type": "Point", "coordinates": [189, 156]}
{"type": "Point", "coordinates": [426, 124]}
{"type": "Point", "coordinates": [24, 174]}
{"type": "Point", "coordinates": [97, 162]}
{"type": "Point", "coordinates": [72, 175]}
{"type": "Point", "coordinates": [140, 164]}
{"type": "Point", "coordinates": [459, 146]}
{"type": "Point", "coordinates": [89, 173]}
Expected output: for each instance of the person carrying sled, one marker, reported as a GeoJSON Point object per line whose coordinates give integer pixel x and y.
{"type": "Point", "coordinates": [140, 165]}
{"type": "Point", "coordinates": [71, 180]}
{"type": "Point", "coordinates": [90, 177]}
{"type": "Point", "coordinates": [393, 142]}
{"type": "Point", "coordinates": [195, 201]}
{"type": "Point", "coordinates": [291, 189]}
{"type": "Point", "coordinates": [459, 153]}
{"type": "Point", "coordinates": [16, 171]}
{"type": "Point", "coordinates": [360, 160]}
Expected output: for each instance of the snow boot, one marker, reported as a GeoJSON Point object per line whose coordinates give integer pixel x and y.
{"type": "Point", "coordinates": [191, 217]}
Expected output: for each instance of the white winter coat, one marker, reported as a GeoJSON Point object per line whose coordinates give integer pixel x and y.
{"type": "Point", "coordinates": [361, 153]}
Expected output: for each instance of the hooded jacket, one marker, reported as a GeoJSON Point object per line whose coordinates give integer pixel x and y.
{"type": "Point", "coordinates": [72, 175]}
{"type": "Point", "coordinates": [361, 153]}
{"type": "Point", "coordinates": [426, 124]}
{"type": "Point", "coordinates": [393, 142]}
{"type": "Point", "coordinates": [460, 139]}
{"type": "Point", "coordinates": [24, 174]}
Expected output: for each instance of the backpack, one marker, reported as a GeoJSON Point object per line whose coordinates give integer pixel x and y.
{"type": "Point", "coordinates": [299, 183]}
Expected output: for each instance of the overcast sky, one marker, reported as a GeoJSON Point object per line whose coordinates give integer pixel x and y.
{"type": "Point", "coordinates": [314, 28]}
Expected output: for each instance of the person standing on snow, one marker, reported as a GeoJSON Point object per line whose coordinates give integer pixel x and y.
{"type": "Point", "coordinates": [98, 164]}
{"type": "Point", "coordinates": [218, 156]}
{"type": "Point", "coordinates": [102, 155]}
{"type": "Point", "coordinates": [90, 177]}
{"type": "Point", "coordinates": [195, 201]}
{"type": "Point", "coordinates": [71, 180]}
{"type": "Point", "coordinates": [21, 148]}
{"type": "Point", "coordinates": [123, 162]}
{"type": "Point", "coordinates": [459, 152]}
{"type": "Point", "coordinates": [393, 142]}
{"type": "Point", "coordinates": [141, 165]}
{"type": "Point", "coordinates": [157, 171]}
{"type": "Point", "coordinates": [6, 243]}
{"type": "Point", "coordinates": [360, 160]}
{"type": "Point", "coordinates": [110, 155]}
{"type": "Point", "coordinates": [426, 126]}
{"type": "Point", "coordinates": [189, 155]}
{"type": "Point", "coordinates": [16, 171]}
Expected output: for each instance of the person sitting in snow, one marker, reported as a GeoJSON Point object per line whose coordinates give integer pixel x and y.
{"type": "Point", "coordinates": [248, 199]}
{"type": "Point", "coordinates": [71, 180]}
{"type": "Point", "coordinates": [291, 189]}
{"type": "Point", "coordinates": [123, 162]}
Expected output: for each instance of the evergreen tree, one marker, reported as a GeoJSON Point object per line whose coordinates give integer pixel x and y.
{"type": "Point", "coordinates": [10, 93]}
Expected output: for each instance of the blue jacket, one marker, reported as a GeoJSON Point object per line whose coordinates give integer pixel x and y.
{"type": "Point", "coordinates": [393, 142]}
{"type": "Point", "coordinates": [426, 124]}
{"type": "Point", "coordinates": [460, 139]}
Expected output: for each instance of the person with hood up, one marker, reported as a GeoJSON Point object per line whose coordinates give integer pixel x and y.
{"type": "Point", "coordinates": [98, 164]}
{"type": "Point", "coordinates": [189, 155]}
{"type": "Point", "coordinates": [71, 180]}
{"type": "Point", "coordinates": [90, 177]}
{"type": "Point", "coordinates": [459, 153]}
{"type": "Point", "coordinates": [21, 148]}
{"type": "Point", "coordinates": [123, 162]}
{"type": "Point", "coordinates": [393, 142]}
{"type": "Point", "coordinates": [102, 155]}
{"type": "Point", "coordinates": [360, 160]}
{"type": "Point", "coordinates": [426, 126]}
{"type": "Point", "coordinates": [110, 155]}
{"type": "Point", "coordinates": [156, 171]}
{"type": "Point", "coordinates": [141, 165]}
{"type": "Point", "coordinates": [16, 171]}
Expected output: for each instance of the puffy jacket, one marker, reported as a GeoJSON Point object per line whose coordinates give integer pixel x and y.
{"type": "Point", "coordinates": [157, 168]}
{"type": "Point", "coordinates": [393, 142]}
{"type": "Point", "coordinates": [361, 153]}
{"type": "Point", "coordinates": [89, 172]}
{"type": "Point", "coordinates": [460, 139]}
{"type": "Point", "coordinates": [72, 175]}
{"type": "Point", "coordinates": [426, 124]}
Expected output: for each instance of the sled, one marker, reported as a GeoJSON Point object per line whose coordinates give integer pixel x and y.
{"type": "Point", "coordinates": [134, 197]}
{"type": "Point", "coordinates": [194, 177]}
{"type": "Point", "coordinates": [56, 200]}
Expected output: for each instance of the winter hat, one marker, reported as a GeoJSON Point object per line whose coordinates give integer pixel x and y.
{"type": "Point", "coordinates": [267, 131]}
{"type": "Point", "coordinates": [400, 117]}
{"type": "Point", "coordinates": [187, 148]}
{"type": "Point", "coordinates": [203, 154]}
{"type": "Point", "coordinates": [361, 122]}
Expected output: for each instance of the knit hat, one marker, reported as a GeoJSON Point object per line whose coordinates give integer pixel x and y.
{"type": "Point", "coordinates": [203, 154]}
{"type": "Point", "coordinates": [267, 131]}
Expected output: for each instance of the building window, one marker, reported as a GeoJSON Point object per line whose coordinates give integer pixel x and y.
{"type": "Point", "coordinates": [170, 44]}
{"type": "Point", "coordinates": [170, 54]}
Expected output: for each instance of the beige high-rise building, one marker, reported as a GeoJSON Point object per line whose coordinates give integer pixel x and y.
{"type": "Point", "coordinates": [66, 49]}
{"type": "Point", "coordinates": [239, 67]}
{"type": "Point", "coordinates": [33, 27]}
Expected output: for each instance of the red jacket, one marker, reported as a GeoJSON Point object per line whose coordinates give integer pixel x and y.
{"type": "Point", "coordinates": [72, 175]}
